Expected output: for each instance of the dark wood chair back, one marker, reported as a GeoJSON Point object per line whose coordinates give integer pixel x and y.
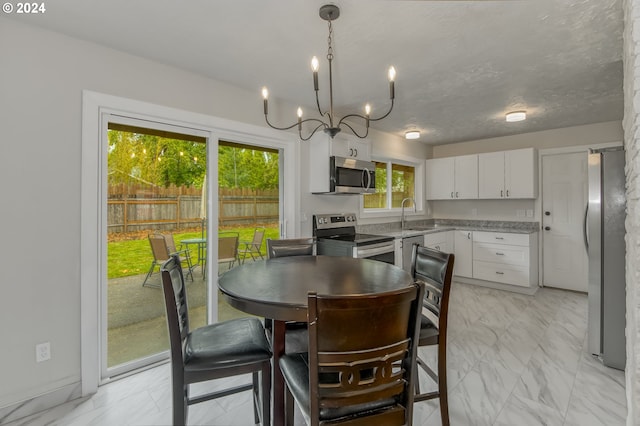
{"type": "Point", "coordinates": [290, 247]}
{"type": "Point", "coordinates": [361, 352]}
{"type": "Point", "coordinates": [434, 269]}
{"type": "Point", "coordinates": [176, 307]}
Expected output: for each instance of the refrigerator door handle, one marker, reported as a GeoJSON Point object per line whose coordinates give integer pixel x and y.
{"type": "Point", "coordinates": [585, 229]}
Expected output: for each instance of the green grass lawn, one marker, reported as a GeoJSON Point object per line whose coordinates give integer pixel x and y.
{"type": "Point", "coordinates": [134, 257]}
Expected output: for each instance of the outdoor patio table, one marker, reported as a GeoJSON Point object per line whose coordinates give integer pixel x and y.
{"type": "Point", "coordinates": [277, 289]}
{"type": "Point", "coordinates": [201, 243]}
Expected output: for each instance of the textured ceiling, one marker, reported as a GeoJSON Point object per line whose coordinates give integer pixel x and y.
{"type": "Point", "coordinates": [461, 64]}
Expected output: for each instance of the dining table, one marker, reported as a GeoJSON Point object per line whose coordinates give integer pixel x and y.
{"type": "Point", "coordinates": [278, 288]}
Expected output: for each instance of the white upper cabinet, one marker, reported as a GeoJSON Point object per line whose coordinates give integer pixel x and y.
{"type": "Point", "coordinates": [440, 177]}
{"type": "Point", "coordinates": [466, 179]}
{"type": "Point", "coordinates": [350, 147]}
{"type": "Point", "coordinates": [508, 174]}
{"type": "Point", "coordinates": [452, 178]}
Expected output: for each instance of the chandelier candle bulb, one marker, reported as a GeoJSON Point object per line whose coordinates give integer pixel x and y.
{"type": "Point", "coordinates": [299, 119]}
{"type": "Point", "coordinates": [392, 78]}
{"type": "Point", "coordinates": [314, 67]}
{"type": "Point", "coordinates": [265, 95]}
{"type": "Point", "coordinates": [367, 112]}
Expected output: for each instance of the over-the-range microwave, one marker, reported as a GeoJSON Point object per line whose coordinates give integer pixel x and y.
{"type": "Point", "coordinates": [351, 176]}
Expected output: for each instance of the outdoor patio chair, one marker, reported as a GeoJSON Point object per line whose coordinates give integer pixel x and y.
{"type": "Point", "coordinates": [161, 253]}
{"type": "Point", "coordinates": [228, 249]}
{"type": "Point", "coordinates": [224, 349]}
{"type": "Point", "coordinates": [184, 253]}
{"type": "Point", "coordinates": [253, 247]}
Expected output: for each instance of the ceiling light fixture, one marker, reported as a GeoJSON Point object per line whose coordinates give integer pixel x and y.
{"type": "Point", "coordinates": [412, 134]}
{"type": "Point", "coordinates": [330, 13]}
{"type": "Point", "coordinates": [516, 116]}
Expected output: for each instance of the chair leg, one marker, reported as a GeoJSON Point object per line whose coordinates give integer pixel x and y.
{"type": "Point", "coordinates": [180, 403]}
{"type": "Point", "coordinates": [442, 383]}
{"type": "Point", "coordinates": [266, 394]}
{"type": "Point", "coordinates": [153, 266]}
{"type": "Point", "coordinates": [256, 397]}
{"type": "Point", "coordinates": [288, 406]}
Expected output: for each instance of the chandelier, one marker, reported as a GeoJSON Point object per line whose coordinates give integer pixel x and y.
{"type": "Point", "coordinates": [328, 122]}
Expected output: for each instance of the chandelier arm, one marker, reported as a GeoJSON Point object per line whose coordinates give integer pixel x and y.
{"type": "Point", "coordinates": [279, 128]}
{"type": "Point", "coordinates": [356, 133]}
{"type": "Point", "coordinates": [314, 130]}
{"type": "Point", "coordinates": [351, 115]}
{"type": "Point", "coordinates": [384, 116]}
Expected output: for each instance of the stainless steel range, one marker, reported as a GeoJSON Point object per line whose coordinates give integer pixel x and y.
{"type": "Point", "coordinates": [336, 236]}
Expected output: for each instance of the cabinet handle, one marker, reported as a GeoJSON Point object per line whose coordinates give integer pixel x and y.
{"type": "Point", "coordinates": [499, 254]}
{"type": "Point", "coordinates": [499, 273]}
{"type": "Point", "coordinates": [507, 192]}
{"type": "Point", "coordinates": [350, 152]}
{"type": "Point", "coordinates": [468, 235]}
{"type": "Point", "coordinates": [356, 154]}
{"type": "Point", "coordinates": [501, 193]}
{"type": "Point", "coordinates": [451, 194]}
{"type": "Point", "coordinates": [456, 194]}
{"type": "Point", "coordinates": [499, 238]}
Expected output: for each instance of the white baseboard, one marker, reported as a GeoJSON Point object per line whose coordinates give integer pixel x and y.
{"type": "Point", "coordinates": [498, 286]}
{"type": "Point", "coordinates": [40, 403]}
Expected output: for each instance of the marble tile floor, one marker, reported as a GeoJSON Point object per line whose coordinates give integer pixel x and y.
{"type": "Point", "coordinates": [512, 360]}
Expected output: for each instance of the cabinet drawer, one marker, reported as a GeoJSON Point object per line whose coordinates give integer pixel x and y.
{"type": "Point", "coordinates": [501, 253]}
{"type": "Point", "coordinates": [506, 274]}
{"type": "Point", "coordinates": [501, 238]}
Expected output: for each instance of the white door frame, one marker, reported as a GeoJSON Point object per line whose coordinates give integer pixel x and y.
{"type": "Point", "coordinates": [538, 203]}
{"type": "Point", "coordinates": [93, 204]}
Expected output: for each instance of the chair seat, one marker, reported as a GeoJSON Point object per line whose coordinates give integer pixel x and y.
{"type": "Point", "coordinates": [295, 369]}
{"type": "Point", "coordinates": [428, 332]}
{"type": "Point", "coordinates": [231, 342]}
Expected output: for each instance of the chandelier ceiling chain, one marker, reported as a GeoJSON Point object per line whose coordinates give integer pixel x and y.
{"type": "Point", "coordinates": [330, 13]}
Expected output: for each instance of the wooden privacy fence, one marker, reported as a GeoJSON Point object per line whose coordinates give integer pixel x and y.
{"type": "Point", "coordinates": [134, 209]}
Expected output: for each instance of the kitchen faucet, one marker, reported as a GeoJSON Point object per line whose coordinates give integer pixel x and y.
{"type": "Point", "coordinates": [402, 221]}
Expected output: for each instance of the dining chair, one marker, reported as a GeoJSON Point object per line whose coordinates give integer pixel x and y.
{"type": "Point", "coordinates": [214, 351]}
{"type": "Point", "coordinates": [253, 247]}
{"type": "Point", "coordinates": [359, 368]}
{"type": "Point", "coordinates": [228, 248]}
{"type": "Point", "coordinates": [434, 269]}
{"type": "Point", "coordinates": [291, 247]}
{"type": "Point", "coordinates": [295, 332]}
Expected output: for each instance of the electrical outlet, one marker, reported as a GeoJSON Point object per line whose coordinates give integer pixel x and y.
{"type": "Point", "coordinates": [43, 352]}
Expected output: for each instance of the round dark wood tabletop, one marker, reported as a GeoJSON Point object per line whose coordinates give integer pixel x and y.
{"type": "Point", "coordinates": [277, 288]}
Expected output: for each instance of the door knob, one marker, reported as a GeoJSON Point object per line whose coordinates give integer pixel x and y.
{"type": "Point", "coordinates": [547, 228]}
{"type": "Point", "coordinates": [547, 213]}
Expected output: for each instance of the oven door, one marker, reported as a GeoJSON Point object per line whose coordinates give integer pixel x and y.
{"type": "Point", "coordinates": [351, 176]}
{"type": "Point", "coordinates": [383, 252]}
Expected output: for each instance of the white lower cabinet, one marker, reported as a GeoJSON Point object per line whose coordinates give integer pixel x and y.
{"type": "Point", "coordinates": [441, 241]}
{"type": "Point", "coordinates": [506, 258]}
{"type": "Point", "coordinates": [463, 251]}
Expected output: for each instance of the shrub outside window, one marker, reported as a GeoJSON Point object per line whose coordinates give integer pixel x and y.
{"type": "Point", "coordinates": [400, 185]}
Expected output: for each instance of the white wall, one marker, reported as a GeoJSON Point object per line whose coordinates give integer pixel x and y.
{"type": "Point", "coordinates": [42, 75]}
{"type": "Point", "coordinates": [507, 210]}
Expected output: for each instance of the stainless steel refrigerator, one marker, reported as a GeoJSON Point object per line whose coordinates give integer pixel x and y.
{"type": "Point", "coordinates": [604, 235]}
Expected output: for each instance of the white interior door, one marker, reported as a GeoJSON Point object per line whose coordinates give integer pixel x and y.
{"type": "Point", "coordinates": [564, 199]}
